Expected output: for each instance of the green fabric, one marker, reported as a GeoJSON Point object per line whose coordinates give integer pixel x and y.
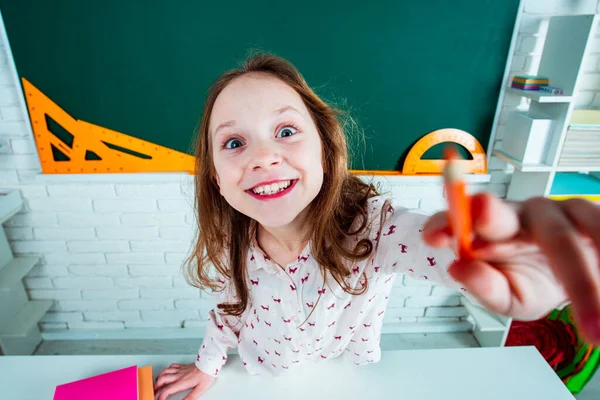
{"type": "Point", "coordinates": [576, 376]}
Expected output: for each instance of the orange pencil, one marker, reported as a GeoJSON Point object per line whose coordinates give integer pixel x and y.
{"type": "Point", "coordinates": [459, 204]}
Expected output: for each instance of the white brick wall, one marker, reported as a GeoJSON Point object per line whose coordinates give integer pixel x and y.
{"type": "Point", "coordinates": [111, 256]}
{"type": "Point", "coordinates": [92, 191]}
{"type": "Point", "coordinates": [147, 304]}
{"type": "Point", "coordinates": [125, 205]}
{"type": "Point", "coordinates": [66, 258]}
{"type": "Point", "coordinates": [136, 258]}
{"type": "Point", "coordinates": [110, 294]}
{"type": "Point", "coordinates": [109, 232]}
{"type": "Point", "coordinates": [98, 245]}
{"type": "Point", "coordinates": [162, 219]}
{"type": "Point", "coordinates": [87, 305]}
{"type": "Point", "coordinates": [65, 233]}
{"type": "Point", "coordinates": [70, 282]}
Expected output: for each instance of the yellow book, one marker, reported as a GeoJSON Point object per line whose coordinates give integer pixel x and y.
{"type": "Point", "coordinates": [592, 198]}
{"type": "Point", "coordinates": [531, 80]}
{"type": "Point", "coordinates": [585, 117]}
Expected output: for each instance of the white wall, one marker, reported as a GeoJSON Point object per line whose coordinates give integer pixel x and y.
{"type": "Point", "coordinates": [112, 247]}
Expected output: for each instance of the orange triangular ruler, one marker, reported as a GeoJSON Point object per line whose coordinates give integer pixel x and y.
{"type": "Point", "coordinates": [89, 148]}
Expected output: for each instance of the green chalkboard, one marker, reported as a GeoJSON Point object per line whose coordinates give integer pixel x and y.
{"type": "Point", "coordinates": [401, 68]}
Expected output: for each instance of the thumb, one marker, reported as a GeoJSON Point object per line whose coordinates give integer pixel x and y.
{"type": "Point", "coordinates": [196, 393]}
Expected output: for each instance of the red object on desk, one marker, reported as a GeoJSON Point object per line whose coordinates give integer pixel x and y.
{"type": "Point", "coordinates": [554, 339]}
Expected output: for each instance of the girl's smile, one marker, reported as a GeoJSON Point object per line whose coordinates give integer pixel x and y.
{"type": "Point", "coordinates": [272, 189]}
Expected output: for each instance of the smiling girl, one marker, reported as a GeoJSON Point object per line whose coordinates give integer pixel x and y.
{"type": "Point", "coordinates": [303, 255]}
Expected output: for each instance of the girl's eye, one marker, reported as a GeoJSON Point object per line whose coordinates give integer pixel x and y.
{"type": "Point", "coordinates": [286, 131]}
{"type": "Point", "coordinates": [233, 144]}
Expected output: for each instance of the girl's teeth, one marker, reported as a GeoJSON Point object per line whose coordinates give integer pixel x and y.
{"type": "Point", "coordinates": [272, 188]}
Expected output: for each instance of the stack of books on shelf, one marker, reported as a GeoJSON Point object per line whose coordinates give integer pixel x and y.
{"type": "Point", "coordinates": [529, 82]}
{"type": "Point", "coordinates": [582, 140]}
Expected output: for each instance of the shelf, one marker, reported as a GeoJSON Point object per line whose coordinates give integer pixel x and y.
{"type": "Point", "coordinates": [10, 203]}
{"type": "Point", "coordinates": [575, 184]}
{"type": "Point", "coordinates": [11, 274]}
{"type": "Point", "coordinates": [591, 168]}
{"type": "Point", "coordinates": [542, 167]}
{"type": "Point", "coordinates": [25, 319]}
{"type": "Point", "coordinates": [519, 165]}
{"type": "Point", "coordinates": [540, 97]}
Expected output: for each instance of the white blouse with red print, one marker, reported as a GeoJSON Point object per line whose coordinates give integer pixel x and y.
{"type": "Point", "coordinates": [294, 317]}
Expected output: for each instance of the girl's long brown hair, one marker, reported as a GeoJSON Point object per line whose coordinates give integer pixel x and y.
{"type": "Point", "coordinates": [224, 234]}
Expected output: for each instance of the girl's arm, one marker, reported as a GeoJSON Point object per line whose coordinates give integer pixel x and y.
{"type": "Point", "coordinates": [401, 248]}
{"type": "Point", "coordinates": [221, 334]}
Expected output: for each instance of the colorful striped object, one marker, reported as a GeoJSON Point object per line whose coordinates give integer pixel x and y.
{"type": "Point", "coordinates": [525, 87]}
{"type": "Point", "coordinates": [530, 79]}
{"type": "Point", "coordinates": [528, 82]}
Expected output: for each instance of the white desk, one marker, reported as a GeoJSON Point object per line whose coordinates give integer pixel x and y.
{"type": "Point", "coordinates": [462, 374]}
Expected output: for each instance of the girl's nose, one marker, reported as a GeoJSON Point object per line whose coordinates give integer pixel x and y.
{"type": "Point", "coordinates": [265, 158]}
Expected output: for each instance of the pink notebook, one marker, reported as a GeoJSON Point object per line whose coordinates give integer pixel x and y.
{"type": "Point", "coordinates": [117, 385]}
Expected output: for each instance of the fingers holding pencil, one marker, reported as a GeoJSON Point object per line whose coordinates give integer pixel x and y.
{"type": "Point", "coordinates": [492, 221]}
{"type": "Point", "coordinates": [459, 205]}
{"type": "Point", "coordinates": [470, 217]}
{"type": "Point", "coordinates": [507, 273]}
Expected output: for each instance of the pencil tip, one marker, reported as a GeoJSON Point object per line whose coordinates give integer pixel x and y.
{"type": "Point", "coordinates": [450, 152]}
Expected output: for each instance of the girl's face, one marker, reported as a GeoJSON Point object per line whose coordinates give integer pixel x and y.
{"type": "Point", "coordinates": [266, 149]}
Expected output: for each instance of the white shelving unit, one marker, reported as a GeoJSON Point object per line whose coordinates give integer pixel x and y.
{"type": "Point", "coordinates": [541, 97]}
{"type": "Point", "coordinates": [19, 317]}
{"type": "Point", "coordinates": [567, 42]}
